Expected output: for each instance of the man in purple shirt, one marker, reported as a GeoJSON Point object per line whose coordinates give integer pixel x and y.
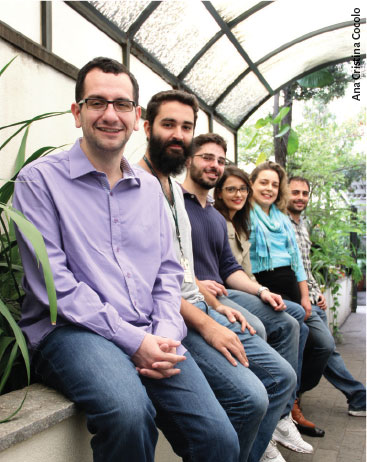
{"type": "Point", "coordinates": [116, 348]}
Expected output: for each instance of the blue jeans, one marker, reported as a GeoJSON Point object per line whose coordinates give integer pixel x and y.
{"type": "Point", "coordinates": [122, 408]}
{"type": "Point", "coordinates": [284, 329]}
{"type": "Point", "coordinates": [244, 392]}
{"type": "Point", "coordinates": [319, 346]}
{"type": "Point", "coordinates": [335, 370]}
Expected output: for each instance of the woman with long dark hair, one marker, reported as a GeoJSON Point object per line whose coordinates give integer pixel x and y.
{"type": "Point", "coordinates": [232, 199]}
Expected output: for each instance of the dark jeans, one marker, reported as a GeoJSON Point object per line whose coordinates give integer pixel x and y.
{"type": "Point", "coordinates": [122, 408]}
{"type": "Point", "coordinates": [335, 370]}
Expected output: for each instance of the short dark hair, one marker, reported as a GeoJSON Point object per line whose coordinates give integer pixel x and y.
{"type": "Point", "coordinates": [300, 178]}
{"type": "Point", "coordinates": [241, 219]}
{"type": "Point", "coordinates": [170, 95]}
{"type": "Point", "coordinates": [106, 65]}
{"type": "Point", "coordinates": [282, 198]}
{"type": "Point", "coordinates": [200, 140]}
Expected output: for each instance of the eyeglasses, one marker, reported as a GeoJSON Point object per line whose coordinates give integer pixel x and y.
{"type": "Point", "coordinates": [211, 158]}
{"type": "Point", "coordinates": [100, 104]}
{"type": "Point", "coordinates": [233, 190]}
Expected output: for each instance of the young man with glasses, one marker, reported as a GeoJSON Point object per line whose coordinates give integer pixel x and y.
{"type": "Point", "coordinates": [320, 338]}
{"type": "Point", "coordinates": [244, 372]}
{"type": "Point", "coordinates": [116, 348]}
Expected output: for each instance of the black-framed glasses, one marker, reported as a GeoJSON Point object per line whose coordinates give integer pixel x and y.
{"type": "Point", "coordinates": [211, 158]}
{"type": "Point", "coordinates": [233, 190]}
{"type": "Point", "coordinates": [100, 104]}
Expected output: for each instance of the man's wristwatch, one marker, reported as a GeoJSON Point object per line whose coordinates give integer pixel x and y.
{"type": "Point", "coordinates": [260, 290]}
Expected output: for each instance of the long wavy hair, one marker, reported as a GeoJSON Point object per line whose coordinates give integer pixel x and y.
{"type": "Point", "coordinates": [282, 197]}
{"type": "Point", "coordinates": [241, 219]}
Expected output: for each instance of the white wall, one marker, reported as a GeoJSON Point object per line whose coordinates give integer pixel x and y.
{"type": "Point", "coordinates": [29, 88]}
{"type": "Point", "coordinates": [23, 16]}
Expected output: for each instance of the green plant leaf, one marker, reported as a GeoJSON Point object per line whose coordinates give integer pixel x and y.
{"type": "Point", "coordinates": [261, 158]}
{"type": "Point", "coordinates": [36, 239]}
{"type": "Point", "coordinates": [261, 123]}
{"type": "Point", "coordinates": [4, 343]}
{"type": "Point", "coordinates": [8, 188]}
{"type": "Point", "coordinates": [283, 130]}
{"type": "Point", "coordinates": [19, 161]}
{"type": "Point", "coordinates": [8, 367]}
{"type": "Point", "coordinates": [317, 79]}
{"type": "Point", "coordinates": [252, 141]}
{"type": "Point", "coordinates": [26, 123]}
{"type": "Point", "coordinates": [3, 69]}
{"type": "Point", "coordinates": [281, 114]}
{"type": "Point", "coordinates": [292, 145]}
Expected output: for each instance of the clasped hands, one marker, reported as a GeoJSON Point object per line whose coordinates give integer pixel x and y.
{"type": "Point", "coordinates": [156, 357]}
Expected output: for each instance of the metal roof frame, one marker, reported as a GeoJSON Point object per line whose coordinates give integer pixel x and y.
{"type": "Point", "coordinates": [130, 45]}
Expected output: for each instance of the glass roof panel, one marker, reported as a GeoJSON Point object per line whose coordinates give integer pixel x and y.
{"type": "Point", "coordinates": [315, 15]}
{"type": "Point", "coordinates": [230, 10]}
{"type": "Point", "coordinates": [303, 56]}
{"type": "Point", "coordinates": [176, 31]}
{"type": "Point", "coordinates": [122, 13]}
{"type": "Point", "coordinates": [216, 70]}
{"type": "Point", "coordinates": [243, 97]}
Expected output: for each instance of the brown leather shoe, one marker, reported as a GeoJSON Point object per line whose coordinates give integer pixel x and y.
{"type": "Point", "coordinates": [305, 426]}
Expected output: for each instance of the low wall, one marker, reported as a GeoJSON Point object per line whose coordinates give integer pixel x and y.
{"type": "Point", "coordinates": [345, 301]}
{"type": "Point", "coordinates": [49, 428]}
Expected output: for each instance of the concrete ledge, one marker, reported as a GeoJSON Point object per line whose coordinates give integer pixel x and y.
{"type": "Point", "coordinates": [43, 408]}
{"type": "Point", "coordinates": [50, 428]}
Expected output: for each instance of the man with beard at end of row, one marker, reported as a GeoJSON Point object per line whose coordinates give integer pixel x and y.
{"type": "Point", "coordinates": [216, 267]}
{"type": "Point", "coordinates": [244, 372]}
{"type": "Point", "coordinates": [319, 337]}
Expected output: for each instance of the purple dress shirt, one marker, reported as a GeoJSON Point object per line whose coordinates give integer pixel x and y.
{"type": "Point", "coordinates": [111, 252]}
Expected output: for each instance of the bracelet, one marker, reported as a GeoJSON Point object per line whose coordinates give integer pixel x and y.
{"type": "Point", "coordinates": [260, 290]}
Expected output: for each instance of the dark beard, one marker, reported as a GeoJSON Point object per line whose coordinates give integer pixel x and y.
{"type": "Point", "coordinates": [196, 178]}
{"type": "Point", "coordinates": [166, 163]}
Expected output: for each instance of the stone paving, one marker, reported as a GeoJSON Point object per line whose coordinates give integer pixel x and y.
{"type": "Point", "coordinates": [345, 436]}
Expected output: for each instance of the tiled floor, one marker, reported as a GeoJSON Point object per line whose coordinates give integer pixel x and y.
{"type": "Point", "coordinates": [345, 438]}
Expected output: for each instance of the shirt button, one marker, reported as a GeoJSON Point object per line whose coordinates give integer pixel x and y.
{"type": "Point", "coordinates": [128, 275]}
{"type": "Point", "coordinates": [115, 220]}
{"type": "Point", "coordinates": [117, 249]}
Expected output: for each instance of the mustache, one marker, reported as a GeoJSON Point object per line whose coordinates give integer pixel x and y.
{"type": "Point", "coordinates": [211, 170]}
{"type": "Point", "coordinates": [175, 143]}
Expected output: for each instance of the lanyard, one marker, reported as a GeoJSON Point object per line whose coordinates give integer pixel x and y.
{"type": "Point", "coordinates": [171, 206]}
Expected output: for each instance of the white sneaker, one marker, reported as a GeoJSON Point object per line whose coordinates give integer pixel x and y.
{"type": "Point", "coordinates": [357, 412]}
{"type": "Point", "coordinates": [287, 435]}
{"type": "Point", "coordinates": [272, 453]}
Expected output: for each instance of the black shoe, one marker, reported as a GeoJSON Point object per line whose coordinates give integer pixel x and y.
{"type": "Point", "coordinates": [311, 431]}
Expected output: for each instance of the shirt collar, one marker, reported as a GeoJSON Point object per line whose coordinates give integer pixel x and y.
{"type": "Point", "coordinates": [293, 221]}
{"type": "Point", "coordinates": [80, 164]}
{"type": "Point", "coordinates": [209, 199]}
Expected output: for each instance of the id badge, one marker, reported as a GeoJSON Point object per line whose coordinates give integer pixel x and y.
{"type": "Point", "coordinates": [186, 267]}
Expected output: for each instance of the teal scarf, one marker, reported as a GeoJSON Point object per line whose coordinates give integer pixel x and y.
{"type": "Point", "coordinates": [262, 225]}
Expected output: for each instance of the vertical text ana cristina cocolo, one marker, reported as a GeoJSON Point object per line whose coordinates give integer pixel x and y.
{"type": "Point", "coordinates": [356, 57]}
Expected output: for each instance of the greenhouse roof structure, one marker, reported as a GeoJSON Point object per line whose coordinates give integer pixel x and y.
{"type": "Point", "coordinates": [233, 55]}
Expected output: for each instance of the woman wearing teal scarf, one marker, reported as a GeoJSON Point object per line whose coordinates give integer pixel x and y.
{"type": "Point", "coordinates": [275, 258]}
